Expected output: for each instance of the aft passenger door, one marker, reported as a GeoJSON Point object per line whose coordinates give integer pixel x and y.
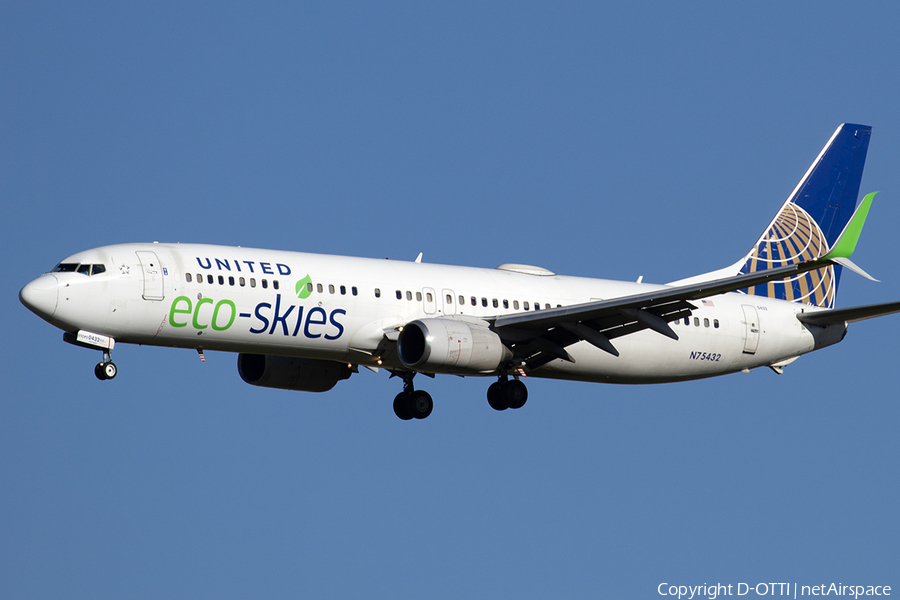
{"type": "Point", "coordinates": [751, 329]}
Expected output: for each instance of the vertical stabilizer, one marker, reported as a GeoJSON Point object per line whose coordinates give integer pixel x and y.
{"type": "Point", "coordinates": [811, 220]}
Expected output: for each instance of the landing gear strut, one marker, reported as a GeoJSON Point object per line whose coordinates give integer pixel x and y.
{"type": "Point", "coordinates": [105, 369]}
{"type": "Point", "coordinates": [412, 403]}
{"type": "Point", "coordinates": [505, 393]}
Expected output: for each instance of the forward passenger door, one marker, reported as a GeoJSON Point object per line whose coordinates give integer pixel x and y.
{"type": "Point", "coordinates": [153, 275]}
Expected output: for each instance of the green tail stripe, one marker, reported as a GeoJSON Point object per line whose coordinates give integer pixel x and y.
{"type": "Point", "coordinates": [846, 243]}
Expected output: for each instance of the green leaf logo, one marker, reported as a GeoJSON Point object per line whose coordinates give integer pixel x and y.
{"type": "Point", "coordinates": [304, 287]}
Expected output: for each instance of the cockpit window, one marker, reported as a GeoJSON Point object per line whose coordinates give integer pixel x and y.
{"type": "Point", "coordinates": [83, 269]}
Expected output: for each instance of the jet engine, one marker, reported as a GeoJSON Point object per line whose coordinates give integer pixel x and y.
{"type": "Point", "coordinates": [286, 373]}
{"type": "Point", "coordinates": [450, 346]}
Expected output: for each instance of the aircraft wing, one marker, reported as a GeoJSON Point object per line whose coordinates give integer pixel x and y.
{"type": "Point", "coordinates": [539, 337]}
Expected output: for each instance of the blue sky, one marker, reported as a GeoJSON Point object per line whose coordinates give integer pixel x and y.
{"type": "Point", "coordinates": [653, 139]}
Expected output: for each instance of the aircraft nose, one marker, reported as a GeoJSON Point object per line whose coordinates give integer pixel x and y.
{"type": "Point", "coordinates": [41, 295]}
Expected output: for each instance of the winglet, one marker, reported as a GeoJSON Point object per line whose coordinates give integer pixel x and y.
{"type": "Point", "coordinates": [846, 242]}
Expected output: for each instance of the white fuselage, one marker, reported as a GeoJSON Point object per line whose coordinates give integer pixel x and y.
{"type": "Point", "coordinates": [338, 308]}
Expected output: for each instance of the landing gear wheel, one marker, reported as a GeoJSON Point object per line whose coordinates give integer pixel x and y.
{"type": "Point", "coordinates": [110, 370]}
{"type": "Point", "coordinates": [515, 393]}
{"type": "Point", "coordinates": [401, 406]}
{"type": "Point", "coordinates": [105, 370]}
{"type": "Point", "coordinates": [420, 404]}
{"type": "Point", "coordinates": [496, 397]}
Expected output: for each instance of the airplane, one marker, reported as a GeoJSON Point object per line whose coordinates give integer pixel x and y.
{"type": "Point", "coordinates": [304, 322]}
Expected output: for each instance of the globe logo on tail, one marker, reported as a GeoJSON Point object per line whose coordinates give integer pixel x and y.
{"type": "Point", "coordinates": [793, 237]}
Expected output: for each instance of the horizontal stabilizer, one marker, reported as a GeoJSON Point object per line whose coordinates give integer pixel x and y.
{"type": "Point", "coordinates": [848, 315]}
{"type": "Point", "coordinates": [846, 262]}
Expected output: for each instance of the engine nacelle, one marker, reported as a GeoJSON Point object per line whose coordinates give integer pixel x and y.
{"type": "Point", "coordinates": [286, 373]}
{"type": "Point", "coordinates": [450, 346]}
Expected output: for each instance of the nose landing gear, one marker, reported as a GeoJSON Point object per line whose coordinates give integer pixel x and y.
{"type": "Point", "coordinates": [106, 369]}
{"type": "Point", "coordinates": [95, 341]}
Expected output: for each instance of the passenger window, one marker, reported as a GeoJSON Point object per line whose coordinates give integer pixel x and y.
{"type": "Point", "coordinates": [484, 301]}
{"type": "Point", "coordinates": [309, 287]}
{"type": "Point", "coordinates": [696, 321]}
{"type": "Point", "coordinates": [330, 288]}
{"type": "Point", "coordinates": [715, 323]}
{"type": "Point", "coordinates": [418, 296]}
{"type": "Point", "coordinates": [353, 290]}
{"type": "Point", "coordinates": [547, 306]}
{"type": "Point", "coordinates": [275, 283]}
{"type": "Point", "coordinates": [408, 295]}
{"type": "Point", "coordinates": [462, 301]}
{"type": "Point", "coordinates": [265, 283]}
{"type": "Point", "coordinates": [537, 306]}
{"type": "Point", "coordinates": [199, 278]}
{"type": "Point", "coordinates": [253, 282]}
{"type": "Point", "coordinates": [343, 290]}
{"type": "Point", "coordinates": [230, 280]}
{"type": "Point", "coordinates": [506, 304]}
{"type": "Point", "coordinates": [221, 280]}
{"type": "Point", "coordinates": [495, 303]}
{"type": "Point", "coordinates": [242, 282]}
{"type": "Point", "coordinates": [399, 295]}
{"type": "Point", "coordinates": [319, 288]}
{"type": "Point", "coordinates": [84, 269]}
{"type": "Point", "coordinates": [525, 305]}
{"type": "Point", "coordinates": [378, 292]}
{"type": "Point", "coordinates": [516, 304]}
{"type": "Point", "coordinates": [97, 269]}
{"type": "Point", "coordinates": [209, 279]}
{"type": "Point", "coordinates": [687, 320]}
{"type": "Point", "coordinates": [474, 301]}
{"type": "Point", "coordinates": [187, 277]}
{"type": "Point", "coordinates": [706, 322]}
{"type": "Point", "coordinates": [449, 299]}
{"type": "Point", "coordinates": [429, 297]}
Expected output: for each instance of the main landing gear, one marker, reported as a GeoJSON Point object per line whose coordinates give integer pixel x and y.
{"type": "Point", "coordinates": [412, 403]}
{"type": "Point", "coordinates": [105, 369]}
{"type": "Point", "coordinates": [417, 404]}
{"type": "Point", "coordinates": [507, 393]}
